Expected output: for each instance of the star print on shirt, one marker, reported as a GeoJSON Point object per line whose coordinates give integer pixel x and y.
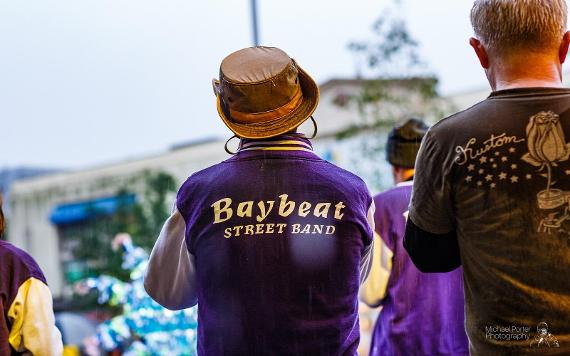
{"type": "Point", "coordinates": [528, 176]}
{"type": "Point", "coordinates": [499, 160]}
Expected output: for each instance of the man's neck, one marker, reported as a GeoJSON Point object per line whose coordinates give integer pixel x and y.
{"type": "Point", "coordinates": [525, 72]}
{"type": "Point", "coordinates": [403, 174]}
{"type": "Point", "coordinates": [526, 83]}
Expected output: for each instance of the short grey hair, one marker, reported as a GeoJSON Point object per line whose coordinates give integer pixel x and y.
{"type": "Point", "coordinates": [529, 24]}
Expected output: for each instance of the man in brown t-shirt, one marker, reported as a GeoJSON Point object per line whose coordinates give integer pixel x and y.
{"type": "Point", "coordinates": [492, 187]}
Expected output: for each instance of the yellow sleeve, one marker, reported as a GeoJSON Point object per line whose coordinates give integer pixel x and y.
{"type": "Point", "coordinates": [373, 290]}
{"type": "Point", "coordinates": [33, 322]}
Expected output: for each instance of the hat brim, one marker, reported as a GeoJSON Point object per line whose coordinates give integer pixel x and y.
{"type": "Point", "coordinates": [278, 125]}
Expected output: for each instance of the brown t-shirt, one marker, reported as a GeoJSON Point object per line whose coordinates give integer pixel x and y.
{"type": "Point", "coordinates": [498, 174]}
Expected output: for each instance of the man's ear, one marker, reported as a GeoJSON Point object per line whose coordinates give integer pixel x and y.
{"type": "Point", "coordinates": [563, 51]}
{"type": "Point", "coordinates": [480, 51]}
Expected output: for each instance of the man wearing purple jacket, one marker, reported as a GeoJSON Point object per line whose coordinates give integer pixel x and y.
{"type": "Point", "coordinates": [27, 324]}
{"type": "Point", "coordinates": [422, 314]}
{"type": "Point", "coordinates": [272, 243]}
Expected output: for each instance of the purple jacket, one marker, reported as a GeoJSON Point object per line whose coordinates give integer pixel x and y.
{"type": "Point", "coordinates": [27, 325]}
{"type": "Point", "coordinates": [422, 314]}
{"type": "Point", "coordinates": [277, 239]}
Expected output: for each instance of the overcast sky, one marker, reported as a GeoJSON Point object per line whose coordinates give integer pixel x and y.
{"type": "Point", "coordinates": [95, 81]}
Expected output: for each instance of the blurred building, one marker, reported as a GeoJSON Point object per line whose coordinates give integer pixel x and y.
{"type": "Point", "coordinates": [10, 175]}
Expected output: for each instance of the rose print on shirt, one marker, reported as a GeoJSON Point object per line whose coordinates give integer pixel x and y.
{"type": "Point", "coordinates": [547, 147]}
{"type": "Point", "coordinates": [546, 143]}
{"type": "Point", "coordinates": [545, 139]}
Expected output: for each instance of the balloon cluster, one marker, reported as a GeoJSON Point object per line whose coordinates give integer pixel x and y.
{"type": "Point", "coordinates": [144, 327]}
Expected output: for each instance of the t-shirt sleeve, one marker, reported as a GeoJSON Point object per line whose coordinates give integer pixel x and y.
{"type": "Point", "coordinates": [431, 202]}
{"type": "Point", "coordinates": [373, 290]}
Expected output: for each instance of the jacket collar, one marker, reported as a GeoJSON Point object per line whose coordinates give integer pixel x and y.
{"type": "Point", "coordinates": [405, 183]}
{"type": "Point", "coordinates": [282, 146]}
{"type": "Point", "coordinates": [286, 142]}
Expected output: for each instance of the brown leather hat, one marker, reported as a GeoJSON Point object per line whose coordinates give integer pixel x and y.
{"type": "Point", "coordinates": [262, 93]}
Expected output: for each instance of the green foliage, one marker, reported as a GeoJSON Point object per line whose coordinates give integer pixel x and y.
{"type": "Point", "coordinates": [90, 245]}
{"type": "Point", "coordinates": [91, 242]}
{"type": "Point", "coordinates": [144, 220]}
{"type": "Point", "coordinates": [398, 87]}
{"type": "Point", "coordinates": [393, 52]}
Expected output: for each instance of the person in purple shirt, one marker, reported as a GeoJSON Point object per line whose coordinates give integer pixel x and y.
{"type": "Point", "coordinates": [27, 325]}
{"type": "Point", "coordinates": [274, 242]}
{"type": "Point", "coordinates": [422, 314]}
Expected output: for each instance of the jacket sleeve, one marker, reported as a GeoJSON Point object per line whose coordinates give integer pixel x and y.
{"type": "Point", "coordinates": [170, 277]}
{"type": "Point", "coordinates": [33, 322]}
{"type": "Point", "coordinates": [373, 290]}
{"type": "Point", "coordinates": [367, 256]}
